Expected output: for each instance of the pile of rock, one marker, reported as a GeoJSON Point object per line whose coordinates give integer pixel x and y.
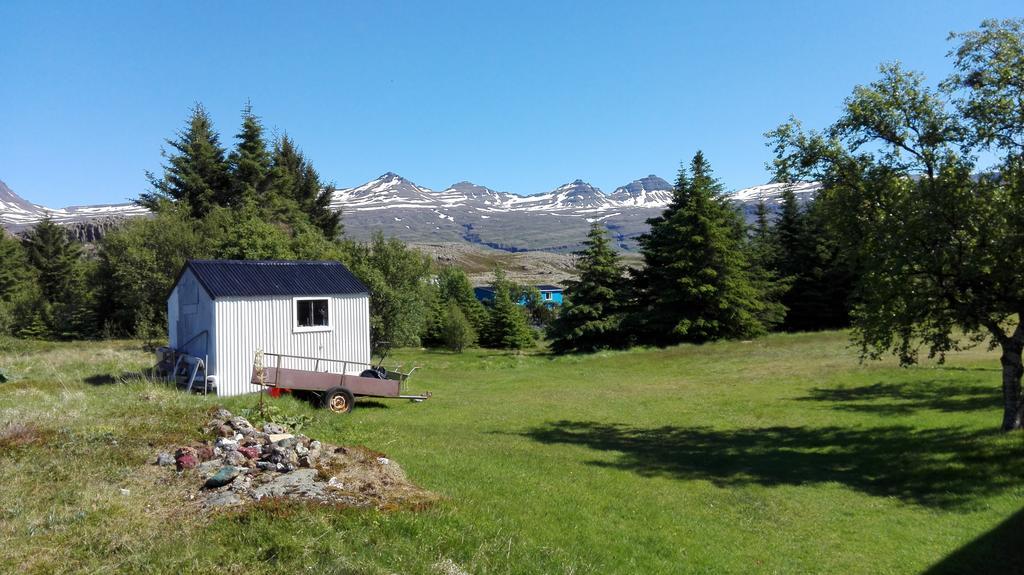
{"type": "Point", "coordinates": [247, 464]}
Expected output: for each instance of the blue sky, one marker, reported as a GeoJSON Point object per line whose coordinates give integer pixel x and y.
{"type": "Point", "coordinates": [517, 96]}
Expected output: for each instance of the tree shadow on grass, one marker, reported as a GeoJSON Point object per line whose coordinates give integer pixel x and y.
{"type": "Point", "coordinates": [906, 398]}
{"type": "Point", "coordinates": [932, 467]}
{"type": "Point", "coordinates": [997, 551]}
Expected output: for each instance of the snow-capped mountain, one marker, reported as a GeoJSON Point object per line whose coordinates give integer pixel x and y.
{"type": "Point", "coordinates": [391, 191]}
{"type": "Point", "coordinates": [649, 191]}
{"type": "Point", "coordinates": [771, 194]}
{"type": "Point", "coordinates": [463, 212]}
{"type": "Point", "coordinates": [17, 213]}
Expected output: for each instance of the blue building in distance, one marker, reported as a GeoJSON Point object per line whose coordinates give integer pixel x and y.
{"type": "Point", "coordinates": [551, 295]}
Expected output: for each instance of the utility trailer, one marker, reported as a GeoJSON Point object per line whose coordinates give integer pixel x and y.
{"type": "Point", "coordinates": [330, 382]}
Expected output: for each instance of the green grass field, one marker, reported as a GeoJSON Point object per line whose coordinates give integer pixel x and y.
{"type": "Point", "coordinates": [782, 455]}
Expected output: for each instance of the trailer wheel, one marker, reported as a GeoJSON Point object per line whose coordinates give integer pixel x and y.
{"type": "Point", "coordinates": [339, 400]}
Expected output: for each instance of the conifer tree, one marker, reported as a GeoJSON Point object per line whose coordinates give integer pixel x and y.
{"type": "Point", "coordinates": [54, 256]}
{"type": "Point", "coordinates": [591, 312]}
{"type": "Point", "coordinates": [249, 162]}
{"type": "Point", "coordinates": [65, 305]}
{"type": "Point", "coordinates": [507, 328]}
{"type": "Point", "coordinates": [696, 282]}
{"type": "Point", "coordinates": [453, 286]}
{"type": "Point", "coordinates": [196, 172]}
{"type": "Point", "coordinates": [818, 283]}
{"type": "Point", "coordinates": [295, 181]}
{"type": "Point", "coordinates": [17, 286]}
{"type": "Point", "coordinates": [14, 268]}
{"type": "Point", "coordinates": [763, 256]}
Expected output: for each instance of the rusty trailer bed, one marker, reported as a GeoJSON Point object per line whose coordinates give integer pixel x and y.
{"type": "Point", "coordinates": [294, 379]}
{"type": "Point", "coordinates": [286, 378]}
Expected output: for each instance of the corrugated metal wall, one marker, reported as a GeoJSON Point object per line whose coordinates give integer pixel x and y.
{"type": "Point", "coordinates": [245, 325]}
{"type": "Point", "coordinates": [189, 314]}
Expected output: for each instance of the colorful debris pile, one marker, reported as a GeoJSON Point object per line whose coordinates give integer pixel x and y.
{"type": "Point", "coordinates": [244, 464]}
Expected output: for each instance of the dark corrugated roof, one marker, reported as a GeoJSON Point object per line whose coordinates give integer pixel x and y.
{"type": "Point", "coordinates": [548, 287]}
{"type": "Point", "coordinates": [250, 278]}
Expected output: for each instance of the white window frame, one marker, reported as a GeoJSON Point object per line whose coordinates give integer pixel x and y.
{"type": "Point", "coordinates": [296, 328]}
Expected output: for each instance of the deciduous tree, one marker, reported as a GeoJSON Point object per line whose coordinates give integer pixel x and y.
{"type": "Point", "coordinates": [939, 241]}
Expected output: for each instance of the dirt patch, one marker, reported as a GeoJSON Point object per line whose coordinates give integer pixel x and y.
{"type": "Point", "coordinates": [245, 465]}
{"type": "Point", "coordinates": [13, 435]}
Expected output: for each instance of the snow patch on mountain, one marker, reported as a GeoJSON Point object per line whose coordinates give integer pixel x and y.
{"type": "Point", "coordinates": [772, 193]}
{"type": "Point", "coordinates": [16, 213]}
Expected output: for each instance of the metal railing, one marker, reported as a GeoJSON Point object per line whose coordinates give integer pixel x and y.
{"type": "Point", "coordinates": [360, 366]}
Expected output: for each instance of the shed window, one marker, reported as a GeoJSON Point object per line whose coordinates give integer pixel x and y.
{"type": "Point", "coordinates": [312, 313]}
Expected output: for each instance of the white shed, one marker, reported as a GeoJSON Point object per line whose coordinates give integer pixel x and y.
{"type": "Point", "coordinates": [223, 311]}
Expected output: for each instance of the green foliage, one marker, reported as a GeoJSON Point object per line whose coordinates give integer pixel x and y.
{"type": "Point", "coordinates": [507, 328]}
{"type": "Point", "coordinates": [397, 277]}
{"type": "Point", "coordinates": [196, 173]}
{"type": "Point", "coordinates": [452, 288]}
{"type": "Point", "coordinates": [64, 305]}
{"type": "Point", "coordinates": [763, 254]}
{"type": "Point", "coordinates": [15, 273]}
{"type": "Point", "coordinates": [457, 331]}
{"type": "Point", "coordinates": [17, 284]}
{"type": "Point", "coordinates": [696, 285]}
{"type": "Point", "coordinates": [138, 264]}
{"type": "Point", "coordinates": [295, 186]}
{"type": "Point", "coordinates": [988, 85]}
{"type": "Point", "coordinates": [244, 235]}
{"type": "Point", "coordinates": [55, 258]}
{"type": "Point", "coordinates": [279, 185]}
{"type": "Point", "coordinates": [593, 306]}
{"type": "Point", "coordinates": [266, 412]}
{"type": "Point", "coordinates": [938, 245]}
{"type": "Point", "coordinates": [808, 259]}
{"type": "Point", "coordinates": [248, 163]}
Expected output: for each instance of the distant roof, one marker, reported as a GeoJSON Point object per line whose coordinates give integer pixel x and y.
{"type": "Point", "coordinates": [252, 278]}
{"type": "Point", "coordinates": [542, 287]}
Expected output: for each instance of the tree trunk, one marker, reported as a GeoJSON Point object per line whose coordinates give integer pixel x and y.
{"type": "Point", "coordinates": [1013, 406]}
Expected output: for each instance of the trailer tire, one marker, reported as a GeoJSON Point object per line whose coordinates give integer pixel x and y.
{"type": "Point", "coordinates": [339, 400]}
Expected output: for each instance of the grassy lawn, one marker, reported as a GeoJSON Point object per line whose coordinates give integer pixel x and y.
{"type": "Point", "coordinates": [782, 455]}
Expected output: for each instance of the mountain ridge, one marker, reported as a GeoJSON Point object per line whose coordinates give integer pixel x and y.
{"type": "Point", "coordinates": [555, 221]}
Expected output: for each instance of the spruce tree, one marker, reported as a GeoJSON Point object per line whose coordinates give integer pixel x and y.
{"type": "Point", "coordinates": [55, 258]}
{"type": "Point", "coordinates": [591, 311]}
{"type": "Point", "coordinates": [65, 305]}
{"type": "Point", "coordinates": [15, 274]}
{"type": "Point", "coordinates": [453, 286]}
{"type": "Point", "coordinates": [697, 285]}
{"type": "Point", "coordinates": [763, 257]}
{"type": "Point", "coordinates": [196, 172]}
{"type": "Point", "coordinates": [295, 184]}
{"type": "Point", "coordinates": [810, 263]}
{"type": "Point", "coordinates": [507, 328]}
{"type": "Point", "coordinates": [18, 289]}
{"type": "Point", "coordinates": [249, 162]}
